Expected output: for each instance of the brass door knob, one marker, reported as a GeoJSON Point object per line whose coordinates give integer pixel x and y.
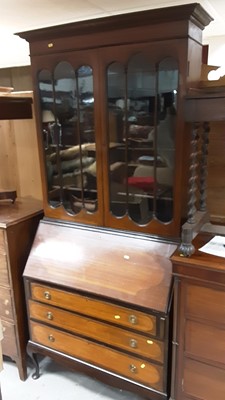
{"type": "Point", "coordinates": [49, 315]}
{"type": "Point", "coordinates": [133, 368]}
{"type": "Point", "coordinates": [47, 295]}
{"type": "Point", "coordinates": [133, 319]}
{"type": "Point", "coordinates": [51, 338]}
{"type": "Point", "coordinates": [133, 343]}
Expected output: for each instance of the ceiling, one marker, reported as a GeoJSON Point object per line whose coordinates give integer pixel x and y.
{"type": "Point", "coordinates": [23, 15]}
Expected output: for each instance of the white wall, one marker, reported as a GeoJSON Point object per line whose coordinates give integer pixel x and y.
{"type": "Point", "coordinates": [216, 50]}
{"type": "Point", "coordinates": [14, 51]}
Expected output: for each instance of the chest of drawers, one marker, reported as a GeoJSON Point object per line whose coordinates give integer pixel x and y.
{"type": "Point", "coordinates": [199, 360]}
{"type": "Point", "coordinates": [18, 225]}
{"type": "Point", "coordinates": [93, 307]}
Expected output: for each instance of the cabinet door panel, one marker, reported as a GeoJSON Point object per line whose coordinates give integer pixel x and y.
{"type": "Point", "coordinates": [205, 303]}
{"type": "Point", "coordinates": [203, 381]}
{"type": "Point", "coordinates": [205, 341]}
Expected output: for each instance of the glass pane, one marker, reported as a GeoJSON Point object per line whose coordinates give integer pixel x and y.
{"type": "Point", "coordinates": [64, 131]}
{"type": "Point", "coordinates": [88, 196]}
{"type": "Point", "coordinates": [140, 138]}
{"type": "Point", "coordinates": [46, 92]}
{"type": "Point", "coordinates": [116, 139]}
{"type": "Point", "coordinates": [166, 129]}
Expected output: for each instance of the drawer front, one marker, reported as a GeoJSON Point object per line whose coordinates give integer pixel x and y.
{"type": "Point", "coordinates": [206, 303]}
{"type": "Point", "coordinates": [205, 341]}
{"type": "Point", "coordinates": [203, 381]}
{"type": "Point", "coordinates": [6, 308]}
{"type": "Point", "coordinates": [131, 367]}
{"type": "Point", "coordinates": [9, 339]}
{"type": "Point", "coordinates": [4, 275]}
{"type": "Point", "coordinates": [95, 308]}
{"type": "Point", "coordinates": [111, 335]}
{"type": "Point", "coordinates": [2, 242]}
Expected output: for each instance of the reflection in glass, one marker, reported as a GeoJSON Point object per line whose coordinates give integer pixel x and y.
{"type": "Point", "coordinates": [141, 134]}
{"type": "Point", "coordinates": [46, 92]}
{"type": "Point", "coordinates": [117, 110]}
{"type": "Point", "coordinates": [166, 128]}
{"type": "Point", "coordinates": [140, 138]}
{"type": "Point", "coordinates": [69, 139]}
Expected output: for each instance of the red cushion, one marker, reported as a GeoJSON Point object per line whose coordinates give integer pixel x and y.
{"type": "Point", "coordinates": [142, 182]}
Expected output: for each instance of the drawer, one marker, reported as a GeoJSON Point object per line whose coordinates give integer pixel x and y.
{"type": "Point", "coordinates": [4, 275]}
{"type": "Point", "coordinates": [130, 367]}
{"type": "Point", "coordinates": [111, 335]}
{"type": "Point", "coordinates": [6, 308]}
{"type": "Point", "coordinates": [95, 308]}
{"type": "Point", "coordinates": [206, 303]}
{"type": "Point", "coordinates": [205, 341]}
{"type": "Point", "coordinates": [2, 242]}
{"type": "Point", "coordinates": [202, 381]}
{"type": "Point", "coordinates": [9, 347]}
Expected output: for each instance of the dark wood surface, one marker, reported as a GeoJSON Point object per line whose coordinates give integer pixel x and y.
{"type": "Point", "coordinates": [209, 267]}
{"type": "Point", "coordinates": [172, 32]}
{"type": "Point", "coordinates": [15, 107]}
{"type": "Point", "coordinates": [101, 298]}
{"type": "Point", "coordinates": [19, 211]}
{"type": "Point", "coordinates": [118, 266]}
{"type": "Point", "coordinates": [199, 333]}
{"type": "Point", "coordinates": [18, 224]}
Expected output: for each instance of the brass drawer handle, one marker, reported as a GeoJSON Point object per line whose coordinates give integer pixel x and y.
{"type": "Point", "coordinates": [133, 319]}
{"type": "Point", "coordinates": [133, 343]}
{"type": "Point", "coordinates": [47, 295]}
{"type": "Point", "coordinates": [51, 338]}
{"type": "Point", "coordinates": [133, 368]}
{"type": "Point", "coordinates": [49, 315]}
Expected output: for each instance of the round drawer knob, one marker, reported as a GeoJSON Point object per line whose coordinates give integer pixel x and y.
{"type": "Point", "coordinates": [133, 319]}
{"type": "Point", "coordinates": [47, 295]}
{"type": "Point", "coordinates": [51, 338]}
{"type": "Point", "coordinates": [49, 315]}
{"type": "Point", "coordinates": [133, 343]}
{"type": "Point", "coordinates": [133, 368]}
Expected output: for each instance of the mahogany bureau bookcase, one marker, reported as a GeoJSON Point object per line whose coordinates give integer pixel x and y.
{"type": "Point", "coordinates": [114, 151]}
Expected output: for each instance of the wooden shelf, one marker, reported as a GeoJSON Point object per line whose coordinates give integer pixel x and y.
{"type": "Point", "coordinates": [13, 107]}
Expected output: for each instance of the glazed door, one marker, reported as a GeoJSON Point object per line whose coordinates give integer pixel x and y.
{"type": "Point", "coordinates": [141, 87]}
{"type": "Point", "coordinates": [68, 129]}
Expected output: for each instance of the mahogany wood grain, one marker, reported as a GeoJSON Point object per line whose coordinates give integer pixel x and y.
{"type": "Point", "coordinates": [204, 341]}
{"type": "Point", "coordinates": [143, 371]}
{"type": "Point", "coordinates": [202, 381]}
{"type": "Point", "coordinates": [123, 267]}
{"type": "Point", "coordinates": [95, 308]}
{"type": "Point", "coordinates": [199, 360]}
{"type": "Point", "coordinates": [133, 342]}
